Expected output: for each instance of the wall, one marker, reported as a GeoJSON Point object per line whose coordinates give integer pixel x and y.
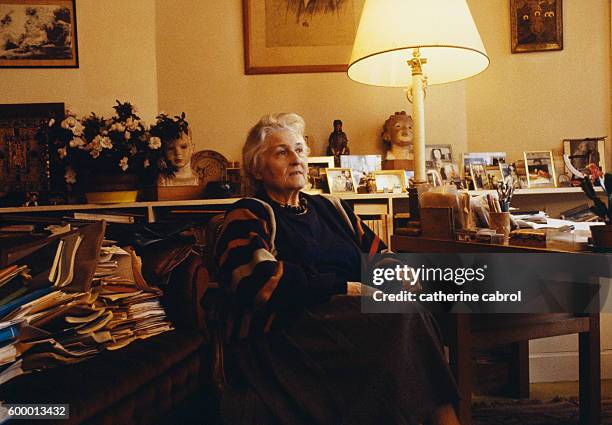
{"type": "Point", "coordinates": [533, 101]}
{"type": "Point", "coordinates": [201, 72]}
{"type": "Point", "coordinates": [117, 61]}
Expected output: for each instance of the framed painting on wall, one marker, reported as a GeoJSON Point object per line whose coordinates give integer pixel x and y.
{"type": "Point", "coordinates": [293, 36]}
{"type": "Point", "coordinates": [536, 25]}
{"type": "Point", "coordinates": [38, 34]}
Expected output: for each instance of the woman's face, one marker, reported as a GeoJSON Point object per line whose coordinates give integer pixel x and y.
{"type": "Point", "coordinates": [284, 164]}
{"type": "Point", "coordinates": [179, 151]}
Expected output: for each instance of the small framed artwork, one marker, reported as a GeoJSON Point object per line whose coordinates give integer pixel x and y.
{"type": "Point", "coordinates": [317, 183]}
{"type": "Point", "coordinates": [583, 152]}
{"type": "Point", "coordinates": [494, 175]}
{"type": "Point", "coordinates": [486, 158]}
{"type": "Point", "coordinates": [478, 173]}
{"type": "Point", "coordinates": [450, 172]}
{"type": "Point", "coordinates": [340, 180]}
{"type": "Point", "coordinates": [536, 25]}
{"type": "Point", "coordinates": [442, 153]}
{"type": "Point", "coordinates": [289, 36]}
{"type": "Point", "coordinates": [361, 165]}
{"type": "Point", "coordinates": [38, 34]}
{"type": "Point", "coordinates": [540, 169]}
{"type": "Point", "coordinates": [508, 174]}
{"type": "Point", "coordinates": [392, 181]}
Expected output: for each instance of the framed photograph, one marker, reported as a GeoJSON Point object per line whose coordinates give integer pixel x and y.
{"type": "Point", "coordinates": [536, 26]}
{"type": "Point", "coordinates": [392, 181]}
{"type": "Point", "coordinates": [26, 165]}
{"type": "Point", "coordinates": [438, 153]}
{"type": "Point", "coordinates": [485, 158]}
{"type": "Point", "coordinates": [583, 152]}
{"type": "Point", "coordinates": [340, 180]}
{"type": "Point", "coordinates": [317, 182]}
{"type": "Point", "coordinates": [289, 36]}
{"type": "Point", "coordinates": [540, 169]}
{"type": "Point", "coordinates": [478, 174]}
{"type": "Point", "coordinates": [361, 164]}
{"type": "Point", "coordinates": [450, 172]}
{"type": "Point", "coordinates": [508, 174]}
{"type": "Point", "coordinates": [38, 34]}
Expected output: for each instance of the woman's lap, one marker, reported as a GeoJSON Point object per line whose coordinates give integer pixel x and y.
{"type": "Point", "coordinates": [332, 364]}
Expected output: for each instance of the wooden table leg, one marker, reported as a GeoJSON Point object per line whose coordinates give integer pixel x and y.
{"type": "Point", "coordinates": [460, 353]}
{"type": "Point", "coordinates": [519, 370]}
{"type": "Point", "coordinates": [590, 378]}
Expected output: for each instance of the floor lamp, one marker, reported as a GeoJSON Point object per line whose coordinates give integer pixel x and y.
{"type": "Point", "coordinates": [413, 43]}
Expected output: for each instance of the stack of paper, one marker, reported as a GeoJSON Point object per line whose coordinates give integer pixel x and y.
{"type": "Point", "coordinates": [46, 327]}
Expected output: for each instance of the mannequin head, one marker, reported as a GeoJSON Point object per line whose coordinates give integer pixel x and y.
{"type": "Point", "coordinates": [179, 151]}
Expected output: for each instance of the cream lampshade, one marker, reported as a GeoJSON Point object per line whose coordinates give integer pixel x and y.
{"type": "Point", "coordinates": [412, 43]}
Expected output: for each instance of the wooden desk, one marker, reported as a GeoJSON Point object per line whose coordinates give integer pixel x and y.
{"type": "Point", "coordinates": [468, 332]}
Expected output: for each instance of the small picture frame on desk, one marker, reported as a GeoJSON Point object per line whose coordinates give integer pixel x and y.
{"type": "Point", "coordinates": [340, 180]}
{"type": "Point", "coordinates": [390, 181]}
{"type": "Point", "coordinates": [478, 174]}
{"type": "Point", "coordinates": [583, 152]}
{"type": "Point", "coordinates": [540, 169]}
{"type": "Point", "coordinates": [316, 173]}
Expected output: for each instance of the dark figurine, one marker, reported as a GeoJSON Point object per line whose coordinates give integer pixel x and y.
{"type": "Point", "coordinates": [338, 143]}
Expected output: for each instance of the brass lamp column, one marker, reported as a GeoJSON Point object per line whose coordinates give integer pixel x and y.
{"type": "Point", "coordinates": [415, 43]}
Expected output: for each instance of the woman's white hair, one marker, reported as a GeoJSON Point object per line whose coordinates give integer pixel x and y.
{"type": "Point", "coordinates": [254, 145]}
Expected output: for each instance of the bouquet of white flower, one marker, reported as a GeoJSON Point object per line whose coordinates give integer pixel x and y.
{"type": "Point", "coordinates": [96, 146]}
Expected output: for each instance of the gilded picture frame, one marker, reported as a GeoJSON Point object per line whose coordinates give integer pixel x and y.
{"type": "Point", "coordinates": [389, 180]}
{"type": "Point", "coordinates": [536, 26]}
{"type": "Point", "coordinates": [290, 36]}
{"type": "Point", "coordinates": [340, 180]}
{"type": "Point", "coordinates": [38, 34]}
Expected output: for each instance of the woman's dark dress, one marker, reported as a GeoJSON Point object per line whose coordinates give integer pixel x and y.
{"type": "Point", "coordinates": [319, 360]}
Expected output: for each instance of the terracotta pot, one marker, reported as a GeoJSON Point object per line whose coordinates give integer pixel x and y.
{"type": "Point", "coordinates": [602, 236]}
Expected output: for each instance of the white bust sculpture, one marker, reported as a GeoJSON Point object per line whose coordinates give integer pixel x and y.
{"type": "Point", "coordinates": [398, 136]}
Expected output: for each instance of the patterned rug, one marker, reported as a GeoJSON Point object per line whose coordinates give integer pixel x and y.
{"type": "Point", "coordinates": [559, 411]}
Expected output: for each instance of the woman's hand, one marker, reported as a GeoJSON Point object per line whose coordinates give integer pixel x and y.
{"type": "Point", "coordinates": [358, 288]}
{"type": "Point", "coordinates": [353, 288]}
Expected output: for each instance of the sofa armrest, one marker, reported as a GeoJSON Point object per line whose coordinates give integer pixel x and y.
{"type": "Point", "coordinates": [186, 286]}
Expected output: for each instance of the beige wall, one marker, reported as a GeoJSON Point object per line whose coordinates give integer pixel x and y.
{"type": "Point", "coordinates": [201, 72]}
{"type": "Point", "coordinates": [187, 55]}
{"type": "Point", "coordinates": [533, 101]}
{"type": "Point", "coordinates": [117, 61]}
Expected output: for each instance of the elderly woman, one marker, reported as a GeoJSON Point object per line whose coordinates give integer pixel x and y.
{"type": "Point", "coordinates": [299, 350]}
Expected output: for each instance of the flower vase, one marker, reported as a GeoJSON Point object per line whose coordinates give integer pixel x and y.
{"type": "Point", "coordinates": [111, 188]}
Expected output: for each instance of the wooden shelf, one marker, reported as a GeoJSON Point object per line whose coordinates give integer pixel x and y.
{"type": "Point", "coordinates": [540, 191]}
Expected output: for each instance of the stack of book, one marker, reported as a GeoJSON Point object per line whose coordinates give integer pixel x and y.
{"type": "Point", "coordinates": [379, 226]}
